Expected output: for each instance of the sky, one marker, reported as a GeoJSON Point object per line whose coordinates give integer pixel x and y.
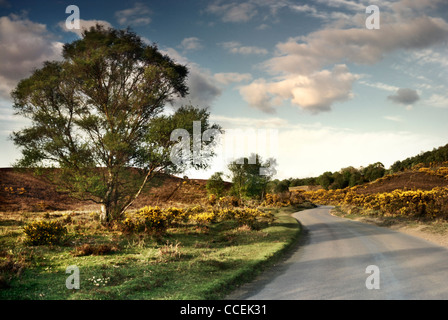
{"type": "Point", "coordinates": [315, 85]}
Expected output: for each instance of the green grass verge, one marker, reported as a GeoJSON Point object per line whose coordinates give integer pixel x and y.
{"type": "Point", "coordinates": [437, 226]}
{"type": "Point", "coordinates": [189, 262]}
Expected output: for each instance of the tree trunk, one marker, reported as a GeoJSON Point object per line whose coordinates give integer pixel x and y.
{"type": "Point", "coordinates": [104, 214]}
{"type": "Point", "coordinates": [106, 207]}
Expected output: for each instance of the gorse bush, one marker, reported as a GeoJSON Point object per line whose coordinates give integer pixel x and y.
{"type": "Point", "coordinates": [228, 202]}
{"type": "Point", "coordinates": [420, 203]}
{"type": "Point", "coordinates": [154, 219]}
{"type": "Point", "coordinates": [157, 220]}
{"type": "Point", "coordinates": [203, 218]}
{"type": "Point", "coordinates": [212, 200]}
{"type": "Point", "coordinates": [44, 233]}
{"type": "Point", "coordinates": [246, 216]}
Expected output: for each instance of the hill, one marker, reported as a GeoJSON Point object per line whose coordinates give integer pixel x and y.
{"type": "Point", "coordinates": [428, 158]}
{"type": "Point", "coordinates": [22, 191]}
{"type": "Point", "coordinates": [407, 180]}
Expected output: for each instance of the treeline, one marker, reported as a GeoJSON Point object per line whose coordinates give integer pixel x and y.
{"type": "Point", "coordinates": [248, 183]}
{"type": "Point", "coordinates": [346, 177]}
{"type": "Point", "coordinates": [437, 155]}
{"type": "Point", "coordinates": [350, 176]}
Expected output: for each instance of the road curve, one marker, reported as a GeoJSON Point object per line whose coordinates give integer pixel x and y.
{"type": "Point", "coordinates": [331, 261]}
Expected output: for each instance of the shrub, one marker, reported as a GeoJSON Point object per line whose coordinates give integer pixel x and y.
{"type": "Point", "coordinates": [203, 217]}
{"type": "Point", "coordinates": [175, 215]}
{"type": "Point", "coordinates": [246, 216]}
{"type": "Point", "coordinates": [154, 219]}
{"type": "Point", "coordinates": [228, 201]}
{"type": "Point", "coordinates": [212, 199]}
{"type": "Point", "coordinates": [44, 232]}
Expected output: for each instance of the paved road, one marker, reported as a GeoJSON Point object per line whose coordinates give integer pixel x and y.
{"type": "Point", "coordinates": [331, 261]}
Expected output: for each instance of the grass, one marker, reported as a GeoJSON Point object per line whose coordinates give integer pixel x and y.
{"type": "Point", "coordinates": [188, 262]}
{"type": "Point", "coordinates": [436, 226]}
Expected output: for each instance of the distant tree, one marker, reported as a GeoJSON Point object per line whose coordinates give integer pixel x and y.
{"type": "Point", "coordinates": [250, 176]}
{"type": "Point", "coordinates": [339, 181]}
{"type": "Point", "coordinates": [98, 113]}
{"type": "Point", "coordinates": [216, 184]}
{"type": "Point", "coordinates": [282, 186]}
{"type": "Point", "coordinates": [325, 179]}
{"type": "Point", "coordinates": [356, 178]}
{"type": "Point", "coordinates": [271, 185]}
{"type": "Point", "coordinates": [374, 171]}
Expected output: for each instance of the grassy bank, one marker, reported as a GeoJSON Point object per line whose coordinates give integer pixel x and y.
{"type": "Point", "coordinates": [188, 262]}
{"type": "Point", "coordinates": [434, 230]}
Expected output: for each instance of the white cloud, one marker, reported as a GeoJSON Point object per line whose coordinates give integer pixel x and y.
{"type": "Point", "coordinates": [245, 123]}
{"type": "Point", "coordinates": [394, 118]}
{"type": "Point", "coordinates": [300, 63]}
{"type": "Point", "coordinates": [24, 46]}
{"type": "Point", "coordinates": [414, 5]}
{"type": "Point", "coordinates": [310, 10]}
{"type": "Point", "coordinates": [431, 56]}
{"type": "Point", "coordinates": [315, 92]}
{"type": "Point", "coordinates": [85, 25]}
{"type": "Point", "coordinates": [263, 26]}
{"type": "Point", "coordinates": [350, 5]}
{"type": "Point", "coordinates": [237, 48]}
{"type": "Point", "coordinates": [379, 85]}
{"type": "Point", "coordinates": [438, 100]}
{"type": "Point", "coordinates": [226, 78]}
{"type": "Point", "coordinates": [233, 12]}
{"type": "Point", "coordinates": [357, 45]}
{"type": "Point", "coordinates": [136, 16]}
{"type": "Point", "coordinates": [190, 44]}
{"type": "Point", "coordinates": [257, 96]}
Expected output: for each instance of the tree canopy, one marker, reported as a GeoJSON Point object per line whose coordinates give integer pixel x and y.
{"type": "Point", "coordinates": [101, 111]}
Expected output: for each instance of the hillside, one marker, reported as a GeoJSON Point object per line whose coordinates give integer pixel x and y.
{"type": "Point", "coordinates": [428, 158]}
{"type": "Point", "coordinates": [22, 191]}
{"type": "Point", "coordinates": [407, 180]}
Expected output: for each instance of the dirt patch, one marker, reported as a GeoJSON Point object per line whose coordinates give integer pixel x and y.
{"type": "Point", "coordinates": [23, 191]}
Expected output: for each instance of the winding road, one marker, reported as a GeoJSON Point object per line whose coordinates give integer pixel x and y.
{"type": "Point", "coordinates": [331, 259]}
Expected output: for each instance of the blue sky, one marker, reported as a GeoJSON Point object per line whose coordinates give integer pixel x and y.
{"type": "Point", "coordinates": [334, 92]}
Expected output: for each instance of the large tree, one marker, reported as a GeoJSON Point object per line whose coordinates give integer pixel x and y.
{"type": "Point", "coordinates": [98, 117]}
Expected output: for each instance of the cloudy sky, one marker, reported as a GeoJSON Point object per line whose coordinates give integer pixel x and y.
{"type": "Point", "coordinates": [329, 91]}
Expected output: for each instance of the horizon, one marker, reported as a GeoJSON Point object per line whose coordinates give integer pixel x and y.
{"type": "Point", "coordinates": [336, 93]}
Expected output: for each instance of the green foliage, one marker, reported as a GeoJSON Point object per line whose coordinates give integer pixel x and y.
{"type": "Point", "coordinates": [192, 262]}
{"type": "Point", "coordinates": [247, 216]}
{"type": "Point", "coordinates": [216, 184]}
{"type": "Point", "coordinates": [101, 107]}
{"type": "Point", "coordinates": [246, 178]}
{"type": "Point", "coordinates": [154, 219]}
{"type": "Point", "coordinates": [326, 179]}
{"type": "Point", "coordinates": [437, 155]}
{"type": "Point", "coordinates": [44, 233]}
